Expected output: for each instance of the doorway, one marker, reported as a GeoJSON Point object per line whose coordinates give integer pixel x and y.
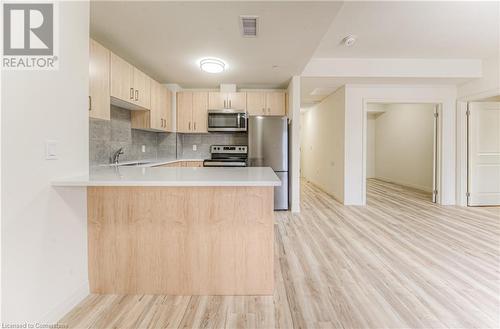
{"type": "Point", "coordinates": [483, 153]}
{"type": "Point", "coordinates": [402, 146]}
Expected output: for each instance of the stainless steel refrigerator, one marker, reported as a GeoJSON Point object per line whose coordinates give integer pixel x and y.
{"type": "Point", "coordinates": [268, 147]}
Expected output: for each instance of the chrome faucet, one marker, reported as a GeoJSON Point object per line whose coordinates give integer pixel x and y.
{"type": "Point", "coordinates": [116, 156]}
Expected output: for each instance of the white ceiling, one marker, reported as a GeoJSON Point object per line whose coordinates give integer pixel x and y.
{"type": "Point", "coordinates": [166, 39]}
{"type": "Point", "coordinates": [413, 29]}
{"type": "Point", "coordinates": [406, 30]}
{"type": "Point", "coordinates": [330, 84]}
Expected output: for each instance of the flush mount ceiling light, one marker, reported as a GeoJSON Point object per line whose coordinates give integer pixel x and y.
{"type": "Point", "coordinates": [349, 40]}
{"type": "Point", "coordinates": [212, 65]}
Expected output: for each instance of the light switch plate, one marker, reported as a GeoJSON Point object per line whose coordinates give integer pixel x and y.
{"type": "Point", "coordinates": [143, 148]}
{"type": "Point", "coordinates": [51, 150]}
{"type": "Point", "coordinates": [194, 147]}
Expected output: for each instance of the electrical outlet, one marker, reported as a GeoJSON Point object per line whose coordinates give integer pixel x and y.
{"type": "Point", "coordinates": [143, 149]}
{"type": "Point", "coordinates": [194, 147]}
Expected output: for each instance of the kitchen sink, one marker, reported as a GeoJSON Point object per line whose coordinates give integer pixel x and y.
{"type": "Point", "coordinates": [133, 164]}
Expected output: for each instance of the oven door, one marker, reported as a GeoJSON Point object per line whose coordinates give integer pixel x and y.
{"type": "Point", "coordinates": [227, 121]}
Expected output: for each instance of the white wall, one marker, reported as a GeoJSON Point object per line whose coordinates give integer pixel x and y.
{"type": "Point", "coordinates": [403, 145]}
{"type": "Point", "coordinates": [358, 96]}
{"type": "Point", "coordinates": [294, 143]}
{"type": "Point", "coordinates": [323, 144]}
{"type": "Point", "coordinates": [44, 241]}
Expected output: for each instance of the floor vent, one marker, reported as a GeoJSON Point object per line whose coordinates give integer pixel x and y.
{"type": "Point", "coordinates": [248, 26]}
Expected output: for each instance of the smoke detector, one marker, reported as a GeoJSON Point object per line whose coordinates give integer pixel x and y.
{"type": "Point", "coordinates": [349, 40]}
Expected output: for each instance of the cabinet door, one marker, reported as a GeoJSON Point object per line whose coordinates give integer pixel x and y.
{"type": "Point", "coordinates": [256, 103]}
{"type": "Point", "coordinates": [237, 101]}
{"type": "Point", "coordinates": [200, 112]}
{"type": "Point", "coordinates": [167, 109]}
{"type": "Point", "coordinates": [217, 101]}
{"type": "Point", "coordinates": [156, 107]}
{"type": "Point", "coordinates": [99, 103]}
{"type": "Point", "coordinates": [142, 89]}
{"type": "Point", "coordinates": [184, 111]}
{"type": "Point", "coordinates": [275, 101]}
{"type": "Point", "coordinates": [122, 75]}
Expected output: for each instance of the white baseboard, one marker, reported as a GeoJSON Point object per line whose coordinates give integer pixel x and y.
{"type": "Point", "coordinates": [67, 305]}
{"type": "Point", "coordinates": [418, 187]}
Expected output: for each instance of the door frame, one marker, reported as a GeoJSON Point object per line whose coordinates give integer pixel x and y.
{"type": "Point", "coordinates": [437, 147]}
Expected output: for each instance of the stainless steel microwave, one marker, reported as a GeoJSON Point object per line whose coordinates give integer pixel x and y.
{"type": "Point", "coordinates": [227, 120]}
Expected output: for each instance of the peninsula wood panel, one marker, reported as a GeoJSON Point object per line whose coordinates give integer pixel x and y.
{"type": "Point", "coordinates": [181, 240]}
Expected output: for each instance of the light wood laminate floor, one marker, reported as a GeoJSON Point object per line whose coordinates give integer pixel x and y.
{"type": "Point", "coordinates": [399, 262]}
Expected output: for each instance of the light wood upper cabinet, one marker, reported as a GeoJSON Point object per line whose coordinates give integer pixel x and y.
{"type": "Point", "coordinates": [167, 109]}
{"type": "Point", "coordinates": [99, 103]}
{"type": "Point", "coordinates": [275, 101]}
{"type": "Point", "coordinates": [256, 103]}
{"type": "Point", "coordinates": [200, 112]}
{"type": "Point", "coordinates": [216, 100]}
{"type": "Point", "coordinates": [184, 111]}
{"type": "Point", "coordinates": [192, 111]}
{"type": "Point", "coordinates": [266, 103]}
{"type": "Point", "coordinates": [158, 118]}
{"type": "Point", "coordinates": [142, 89]}
{"type": "Point", "coordinates": [235, 101]}
{"type": "Point", "coordinates": [130, 88]}
{"type": "Point", "coordinates": [122, 79]}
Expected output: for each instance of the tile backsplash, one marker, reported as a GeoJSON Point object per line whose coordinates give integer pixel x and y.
{"type": "Point", "coordinates": [203, 142]}
{"type": "Point", "coordinates": [108, 136]}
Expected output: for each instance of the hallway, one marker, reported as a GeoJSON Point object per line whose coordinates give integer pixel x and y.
{"type": "Point", "coordinates": [401, 261]}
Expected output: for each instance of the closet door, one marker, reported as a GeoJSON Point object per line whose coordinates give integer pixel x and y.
{"type": "Point", "coordinates": [484, 153]}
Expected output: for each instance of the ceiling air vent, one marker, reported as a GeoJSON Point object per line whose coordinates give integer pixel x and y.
{"type": "Point", "coordinates": [248, 26]}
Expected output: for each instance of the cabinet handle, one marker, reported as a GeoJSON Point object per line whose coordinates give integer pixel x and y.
{"type": "Point", "coordinates": [194, 125]}
{"type": "Point", "coordinates": [189, 125]}
{"type": "Point", "coordinates": [136, 95]}
{"type": "Point", "coordinates": [229, 103]}
{"type": "Point", "coordinates": [225, 104]}
{"type": "Point", "coordinates": [90, 103]}
{"type": "Point", "coordinates": [132, 93]}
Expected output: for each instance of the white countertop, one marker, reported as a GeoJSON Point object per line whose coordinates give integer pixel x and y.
{"type": "Point", "coordinates": [175, 176]}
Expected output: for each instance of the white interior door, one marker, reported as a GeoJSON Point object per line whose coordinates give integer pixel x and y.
{"type": "Point", "coordinates": [483, 153]}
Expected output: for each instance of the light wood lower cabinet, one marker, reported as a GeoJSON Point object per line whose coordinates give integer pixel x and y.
{"type": "Point", "coordinates": [191, 164]}
{"type": "Point", "coordinates": [192, 112]}
{"type": "Point", "coordinates": [272, 103]}
{"type": "Point", "coordinates": [99, 102]}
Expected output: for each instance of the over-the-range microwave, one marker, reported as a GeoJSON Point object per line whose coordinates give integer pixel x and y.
{"type": "Point", "coordinates": [227, 120]}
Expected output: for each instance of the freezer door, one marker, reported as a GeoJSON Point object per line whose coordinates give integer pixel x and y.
{"type": "Point", "coordinates": [268, 142]}
{"type": "Point", "coordinates": [281, 192]}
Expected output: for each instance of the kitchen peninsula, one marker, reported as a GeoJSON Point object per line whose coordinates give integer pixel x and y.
{"type": "Point", "coordinates": [179, 231]}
